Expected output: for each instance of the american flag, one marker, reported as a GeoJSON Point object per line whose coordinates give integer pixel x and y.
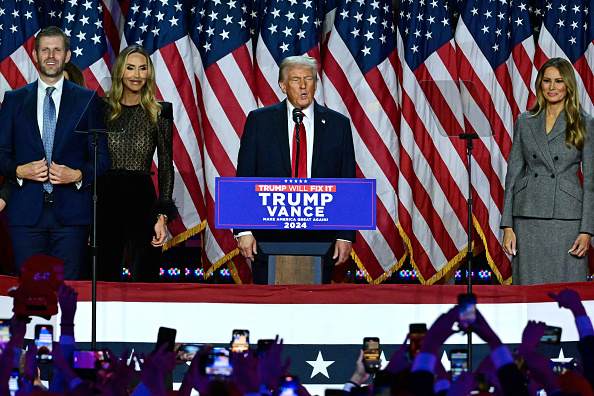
{"type": "Point", "coordinates": [83, 23]}
{"type": "Point", "coordinates": [50, 12]}
{"type": "Point", "coordinates": [114, 20]}
{"type": "Point", "coordinates": [287, 27]}
{"type": "Point", "coordinates": [18, 25]}
{"type": "Point", "coordinates": [360, 82]}
{"type": "Point", "coordinates": [432, 187]}
{"type": "Point", "coordinates": [568, 32]}
{"type": "Point", "coordinates": [495, 49]}
{"type": "Point", "coordinates": [160, 27]}
{"type": "Point", "coordinates": [222, 50]}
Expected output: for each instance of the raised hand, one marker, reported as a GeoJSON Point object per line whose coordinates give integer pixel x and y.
{"type": "Point", "coordinates": [531, 336]}
{"type": "Point", "coordinates": [270, 366]}
{"type": "Point", "coordinates": [155, 366]}
{"type": "Point", "coordinates": [571, 300]}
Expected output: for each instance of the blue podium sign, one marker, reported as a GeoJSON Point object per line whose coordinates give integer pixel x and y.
{"type": "Point", "coordinates": [304, 204]}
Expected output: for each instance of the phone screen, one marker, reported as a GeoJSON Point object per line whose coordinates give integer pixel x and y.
{"type": "Point", "coordinates": [218, 363]}
{"type": "Point", "coordinates": [186, 352]}
{"type": "Point", "coordinates": [371, 354]}
{"type": "Point", "coordinates": [13, 382]}
{"type": "Point", "coordinates": [552, 335]}
{"type": "Point", "coordinates": [467, 307]}
{"type": "Point", "coordinates": [86, 359]}
{"type": "Point", "coordinates": [4, 332]}
{"type": "Point", "coordinates": [459, 362]}
{"type": "Point", "coordinates": [44, 340]}
{"type": "Point", "coordinates": [416, 333]}
{"type": "Point", "coordinates": [240, 341]}
{"type": "Point", "coordinates": [289, 386]}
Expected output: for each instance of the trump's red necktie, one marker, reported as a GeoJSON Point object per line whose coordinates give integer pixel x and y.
{"type": "Point", "coordinates": [302, 152]}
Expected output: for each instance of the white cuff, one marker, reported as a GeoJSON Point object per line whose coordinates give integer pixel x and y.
{"type": "Point", "coordinates": [349, 386]}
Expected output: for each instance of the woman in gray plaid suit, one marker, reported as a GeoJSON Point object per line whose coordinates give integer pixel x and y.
{"type": "Point", "coordinates": [548, 218]}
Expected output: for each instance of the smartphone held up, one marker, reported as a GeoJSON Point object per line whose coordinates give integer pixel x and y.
{"type": "Point", "coordinates": [416, 333]}
{"type": "Point", "coordinates": [467, 310]}
{"type": "Point", "coordinates": [44, 340]}
{"type": "Point", "coordinates": [371, 354]}
{"type": "Point", "coordinates": [459, 362]}
{"type": "Point", "coordinates": [240, 341]}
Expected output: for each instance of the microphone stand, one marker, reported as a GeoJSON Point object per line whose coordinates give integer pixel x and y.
{"type": "Point", "coordinates": [297, 149]}
{"type": "Point", "coordinates": [94, 248]}
{"type": "Point", "coordinates": [469, 137]}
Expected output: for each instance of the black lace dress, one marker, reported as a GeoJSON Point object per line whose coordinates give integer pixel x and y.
{"type": "Point", "coordinates": [127, 202]}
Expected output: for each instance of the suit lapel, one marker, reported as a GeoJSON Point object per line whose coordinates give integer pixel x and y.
{"type": "Point", "coordinates": [319, 133]}
{"type": "Point", "coordinates": [280, 123]}
{"type": "Point", "coordinates": [559, 127]}
{"type": "Point", "coordinates": [30, 110]}
{"type": "Point", "coordinates": [539, 133]}
{"type": "Point", "coordinates": [66, 103]}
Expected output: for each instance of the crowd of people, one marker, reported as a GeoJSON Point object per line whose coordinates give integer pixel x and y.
{"type": "Point", "coordinates": [525, 372]}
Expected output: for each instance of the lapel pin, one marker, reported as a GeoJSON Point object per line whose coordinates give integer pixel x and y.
{"type": "Point", "coordinates": [323, 121]}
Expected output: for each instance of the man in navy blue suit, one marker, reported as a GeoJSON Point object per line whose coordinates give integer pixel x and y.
{"type": "Point", "coordinates": [49, 164]}
{"type": "Point", "coordinates": [268, 150]}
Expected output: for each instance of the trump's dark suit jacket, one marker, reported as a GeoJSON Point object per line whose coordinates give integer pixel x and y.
{"type": "Point", "coordinates": [542, 180]}
{"type": "Point", "coordinates": [20, 143]}
{"type": "Point", "coordinates": [264, 150]}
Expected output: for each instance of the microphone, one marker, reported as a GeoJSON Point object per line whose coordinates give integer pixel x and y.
{"type": "Point", "coordinates": [297, 115]}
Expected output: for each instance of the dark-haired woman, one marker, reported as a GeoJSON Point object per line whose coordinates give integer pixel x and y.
{"type": "Point", "coordinates": [548, 217]}
{"type": "Point", "coordinates": [132, 219]}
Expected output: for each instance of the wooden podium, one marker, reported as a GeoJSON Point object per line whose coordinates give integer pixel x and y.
{"type": "Point", "coordinates": [297, 268]}
{"type": "Point", "coordinates": [294, 270]}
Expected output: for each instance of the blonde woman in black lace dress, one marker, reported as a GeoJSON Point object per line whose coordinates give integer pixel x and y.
{"type": "Point", "coordinates": [131, 219]}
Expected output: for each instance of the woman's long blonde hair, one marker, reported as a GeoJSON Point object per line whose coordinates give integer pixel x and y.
{"type": "Point", "coordinates": [575, 133]}
{"type": "Point", "coordinates": [148, 100]}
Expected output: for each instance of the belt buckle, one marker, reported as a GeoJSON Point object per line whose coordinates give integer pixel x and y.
{"type": "Point", "coordinates": [48, 197]}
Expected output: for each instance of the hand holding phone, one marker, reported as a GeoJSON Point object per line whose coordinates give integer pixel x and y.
{"type": "Point", "coordinates": [263, 347]}
{"type": "Point", "coordinates": [552, 335]}
{"type": "Point", "coordinates": [371, 354]}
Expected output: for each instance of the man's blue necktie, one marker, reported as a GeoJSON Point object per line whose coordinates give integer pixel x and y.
{"type": "Point", "coordinates": [49, 130]}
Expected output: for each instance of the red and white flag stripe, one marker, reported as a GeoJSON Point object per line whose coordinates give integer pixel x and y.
{"type": "Point", "coordinates": [370, 102]}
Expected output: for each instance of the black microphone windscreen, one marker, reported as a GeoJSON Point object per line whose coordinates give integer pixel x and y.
{"type": "Point", "coordinates": [297, 115]}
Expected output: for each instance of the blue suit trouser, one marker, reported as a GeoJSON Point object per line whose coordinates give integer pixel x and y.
{"type": "Point", "coordinates": [49, 236]}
